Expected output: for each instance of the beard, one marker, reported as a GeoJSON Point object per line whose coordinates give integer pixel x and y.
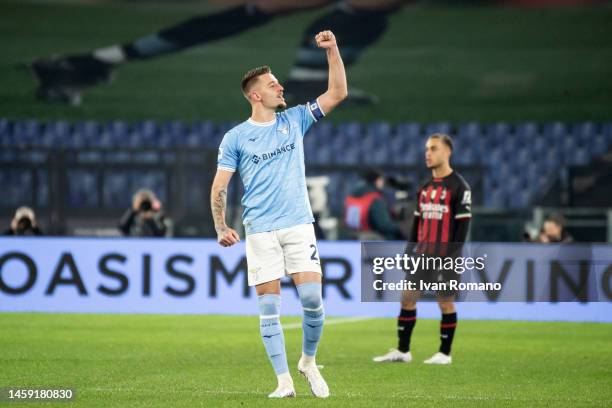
{"type": "Point", "coordinates": [281, 105]}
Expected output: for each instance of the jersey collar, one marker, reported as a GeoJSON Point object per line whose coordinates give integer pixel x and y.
{"type": "Point", "coordinates": [254, 123]}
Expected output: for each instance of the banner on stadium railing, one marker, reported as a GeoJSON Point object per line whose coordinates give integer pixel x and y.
{"type": "Point", "coordinates": [199, 276]}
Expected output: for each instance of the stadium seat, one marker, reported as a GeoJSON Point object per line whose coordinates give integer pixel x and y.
{"type": "Point", "coordinates": [568, 144]}
{"type": "Point", "coordinates": [577, 157]}
{"type": "Point", "coordinates": [82, 189]}
{"type": "Point", "coordinates": [397, 143]}
{"type": "Point", "coordinates": [538, 144]}
{"type": "Point", "coordinates": [555, 131]}
{"type": "Point", "coordinates": [350, 156]}
{"type": "Point", "coordinates": [521, 157]}
{"type": "Point", "coordinates": [502, 172]}
{"type": "Point", "coordinates": [465, 156]}
{"type": "Point", "coordinates": [489, 183]}
{"type": "Point", "coordinates": [174, 128]}
{"type": "Point", "coordinates": [42, 193]}
{"type": "Point", "coordinates": [509, 146]}
{"type": "Point", "coordinates": [438, 127]}
{"type": "Point", "coordinates": [469, 130]}
{"type": "Point", "coordinates": [117, 192]}
{"type": "Point", "coordinates": [338, 144]}
{"type": "Point", "coordinates": [59, 128]}
{"type": "Point", "coordinates": [16, 186]}
{"type": "Point", "coordinates": [498, 130]}
{"type": "Point", "coordinates": [168, 141]}
{"type": "Point", "coordinates": [147, 128]}
{"type": "Point", "coordinates": [351, 131]}
{"type": "Point", "coordinates": [531, 172]}
{"type": "Point", "coordinates": [322, 156]}
{"type": "Point", "coordinates": [117, 128]}
{"type": "Point", "coordinates": [370, 143]}
{"type": "Point", "coordinates": [380, 130]}
{"type": "Point", "coordinates": [493, 157]}
{"type": "Point", "coordinates": [321, 130]}
{"type": "Point", "coordinates": [496, 199]}
{"type": "Point", "coordinates": [195, 140]}
{"type": "Point", "coordinates": [144, 134]}
{"type": "Point", "coordinates": [5, 128]}
{"type": "Point", "coordinates": [598, 146]}
{"type": "Point", "coordinates": [527, 130]}
{"type": "Point", "coordinates": [88, 129]}
{"type": "Point", "coordinates": [409, 129]}
{"type": "Point", "coordinates": [24, 131]}
{"type": "Point", "coordinates": [378, 157]}
{"type": "Point", "coordinates": [585, 131]}
{"type": "Point", "coordinates": [606, 130]}
{"type": "Point", "coordinates": [407, 157]}
{"type": "Point", "coordinates": [173, 134]}
{"type": "Point", "coordinates": [205, 128]}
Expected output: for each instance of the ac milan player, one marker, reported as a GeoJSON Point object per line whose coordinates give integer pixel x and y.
{"type": "Point", "coordinates": [441, 222]}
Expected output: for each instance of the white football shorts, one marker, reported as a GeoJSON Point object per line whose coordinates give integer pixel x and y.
{"type": "Point", "coordinates": [274, 254]}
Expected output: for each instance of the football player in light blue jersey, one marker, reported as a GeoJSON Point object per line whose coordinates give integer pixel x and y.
{"type": "Point", "coordinates": [268, 151]}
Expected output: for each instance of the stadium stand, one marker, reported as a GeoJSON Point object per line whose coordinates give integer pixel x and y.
{"type": "Point", "coordinates": [518, 161]}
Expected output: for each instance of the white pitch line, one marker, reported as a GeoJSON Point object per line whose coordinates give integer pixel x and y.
{"type": "Point", "coordinates": [339, 320]}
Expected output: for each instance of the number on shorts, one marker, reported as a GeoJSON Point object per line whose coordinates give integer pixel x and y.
{"type": "Point", "coordinates": [314, 257]}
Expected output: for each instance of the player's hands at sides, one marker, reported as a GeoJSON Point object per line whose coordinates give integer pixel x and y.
{"type": "Point", "coordinates": [228, 237]}
{"type": "Point", "coordinates": [325, 39]}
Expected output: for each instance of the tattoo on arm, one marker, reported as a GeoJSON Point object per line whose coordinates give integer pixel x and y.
{"type": "Point", "coordinates": [218, 204]}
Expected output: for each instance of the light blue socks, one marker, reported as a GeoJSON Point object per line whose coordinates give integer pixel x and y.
{"type": "Point", "coordinates": [314, 316]}
{"type": "Point", "coordinates": [272, 332]}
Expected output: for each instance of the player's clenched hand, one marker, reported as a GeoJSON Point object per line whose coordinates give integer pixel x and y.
{"type": "Point", "coordinates": [228, 237]}
{"type": "Point", "coordinates": [325, 39]}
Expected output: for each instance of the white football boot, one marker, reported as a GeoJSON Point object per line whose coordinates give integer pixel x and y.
{"type": "Point", "coordinates": [439, 358]}
{"type": "Point", "coordinates": [308, 368]}
{"type": "Point", "coordinates": [285, 387]}
{"type": "Point", "coordinates": [394, 356]}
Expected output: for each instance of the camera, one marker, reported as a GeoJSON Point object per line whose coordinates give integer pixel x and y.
{"type": "Point", "coordinates": [24, 224]}
{"type": "Point", "coordinates": [145, 205]}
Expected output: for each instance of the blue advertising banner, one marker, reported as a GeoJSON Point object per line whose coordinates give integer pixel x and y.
{"type": "Point", "coordinates": [198, 276]}
{"type": "Point", "coordinates": [488, 272]}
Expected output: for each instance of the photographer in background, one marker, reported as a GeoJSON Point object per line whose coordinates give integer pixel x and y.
{"type": "Point", "coordinates": [553, 230]}
{"type": "Point", "coordinates": [24, 223]}
{"type": "Point", "coordinates": [145, 218]}
{"type": "Point", "coordinates": [367, 212]}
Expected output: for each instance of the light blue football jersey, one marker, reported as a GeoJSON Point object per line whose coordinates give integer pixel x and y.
{"type": "Point", "coordinates": [270, 159]}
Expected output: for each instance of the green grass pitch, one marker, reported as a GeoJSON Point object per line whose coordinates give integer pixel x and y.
{"type": "Point", "coordinates": [200, 360]}
{"type": "Point", "coordinates": [434, 63]}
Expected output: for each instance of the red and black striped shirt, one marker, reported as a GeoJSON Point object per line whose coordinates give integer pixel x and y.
{"type": "Point", "coordinates": [443, 212]}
